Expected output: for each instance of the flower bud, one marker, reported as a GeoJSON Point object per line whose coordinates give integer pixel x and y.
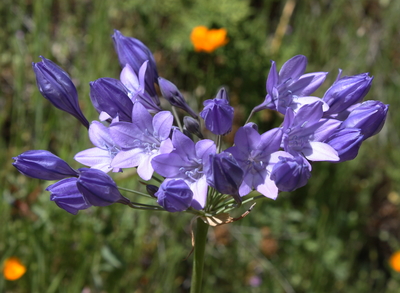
{"type": "Point", "coordinates": [346, 142]}
{"type": "Point", "coordinates": [133, 52]}
{"type": "Point", "coordinates": [66, 195]}
{"type": "Point", "coordinates": [224, 174]}
{"type": "Point", "coordinates": [174, 195]}
{"type": "Point", "coordinates": [291, 173]}
{"type": "Point", "coordinates": [151, 189]}
{"type": "Point", "coordinates": [98, 188]}
{"type": "Point", "coordinates": [346, 91]}
{"type": "Point", "coordinates": [370, 117]}
{"type": "Point", "coordinates": [218, 115]}
{"type": "Point", "coordinates": [56, 86]}
{"type": "Point", "coordinates": [43, 165]}
{"type": "Point", "coordinates": [171, 93]}
{"type": "Point", "coordinates": [192, 126]}
{"type": "Point", "coordinates": [109, 95]}
{"type": "Point", "coordinates": [222, 94]}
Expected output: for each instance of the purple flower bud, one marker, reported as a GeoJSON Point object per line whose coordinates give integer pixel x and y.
{"type": "Point", "coordinates": [370, 117]}
{"type": "Point", "coordinates": [109, 95]}
{"type": "Point", "coordinates": [224, 174]}
{"type": "Point", "coordinates": [346, 91]}
{"type": "Point", "coordinates": [43, 165]}
{"type": "Point", "coordinates": [192, 126]}
{"type": "Point", "coordinates": [290, 173]}
{"type": "Point", "coordinates": [151, 189]}
{"type": "Point", "coordinates": [218, 115]}
{"type": "Point", "coordinates": [98, 188]}
{"type": "Point", "coordinates": [171, 93]}
{"type": "Point", "coordinates": [222, 94]}
{"type": "Point", "coordinates": [346, 142]}
{"type": "Point", "coordinates": [174, 195]}
{"type": "Point", "coordinates": [56, 86]}
{"type": "Point", "coordinates": [133, 52]}
{"type": "Point", "coordinates": [66, 195]}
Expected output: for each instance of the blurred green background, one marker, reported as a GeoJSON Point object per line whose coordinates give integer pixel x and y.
{"type": "Point", "coordinates": [334, 235]}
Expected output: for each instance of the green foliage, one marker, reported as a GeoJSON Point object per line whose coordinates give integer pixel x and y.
{"type": "Point", "coordinates": [335, 235]}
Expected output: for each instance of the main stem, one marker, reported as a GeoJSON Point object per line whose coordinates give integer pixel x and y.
{"type": "Point", "coordinates": [198, 258]}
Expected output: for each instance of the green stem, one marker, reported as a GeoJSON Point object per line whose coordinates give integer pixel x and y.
{"type": "Point", "coordinates": [198, 257]}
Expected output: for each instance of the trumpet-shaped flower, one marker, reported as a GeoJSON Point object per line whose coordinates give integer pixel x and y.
{"type": "Point", "coordinates": [305, 131]}
{"type": "Point", "coordinates": [56, 86]}
{"type": "Point", "coordinates": [99, 157]}
{"type": "Point", "coordinates": [291, 87]}
{"type": "Point", "coordinates": [186, 162]}
{"type": "Point", "coordinates": [142, 140]}
{"type": "Point", "coordinates": [256, 154]}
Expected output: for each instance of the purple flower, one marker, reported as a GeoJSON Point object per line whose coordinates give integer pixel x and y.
{"type": "Point", "coordinates": [142, 140]}
{"type": "Point", "coordinates": [305, 131]}
{"type": "Point", "coordinates": [43, 165]}
{"type": "Point", "coordinates": [256, 154]}
{"type": "Point", "coordinates": [346, 142]}
{"type": "Point", "coordinates": [218, 114]}
{"type": "Point", "coordinates": [345, 92]}
{"type": "Point", "coordinates": [110, 96]}
{"type": "Point", "coordinates": [99, 157]}
{"type": "Point", "coordinates": [186, 162]}
{"type": "Point", "coordinates": [174, 195]}
{"type": "Point", "coordinates": [98, 188]}
{"type": "Point", "coordinates": [291, 87]}
{"type": "Point", "coordinates": [56, 86]}
{"type": "Point", "coordinates": [135, 84]}
{"type": "Point", "coordinates": [66, 195]}
{"type": "Point", "coordinates": [224, 174]}
{"type": "Point", "coordinates": [370, 117]}
{"type": "Point", "coordinates": [171, 93]}
{"type": "Point", "coordinates": [133, 52]}
{"type": "Point", "coordinates": [290, 173]}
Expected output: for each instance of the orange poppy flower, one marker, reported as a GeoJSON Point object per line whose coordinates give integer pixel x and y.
{"type": "Point", "coordinates": [13, 269]}
{"type": "Point", "coordinates": [394, 261]}
{"type": "Point", "coordinates": [207, 40]}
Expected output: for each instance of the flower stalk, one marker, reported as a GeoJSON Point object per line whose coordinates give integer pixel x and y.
{"type": "Point", "coordinates": [198, 256]}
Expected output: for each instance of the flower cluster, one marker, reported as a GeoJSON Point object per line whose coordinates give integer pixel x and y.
{"type": "Point", "coordinates": [185, 170]}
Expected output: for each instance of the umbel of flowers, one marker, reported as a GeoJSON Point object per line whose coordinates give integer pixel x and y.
{"type": "Point", "coordinates": [185, 170]}
{"type": "Point", "coordinates": [194, 173]}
